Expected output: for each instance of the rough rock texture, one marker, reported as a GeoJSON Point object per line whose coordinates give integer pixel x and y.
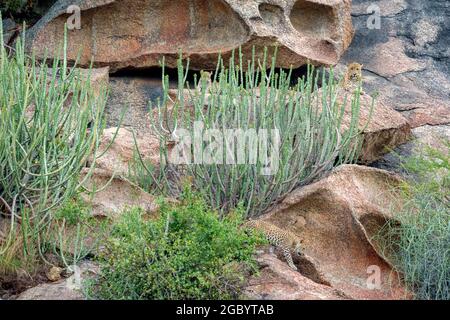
{"type": "Point", "coordinates": [431, 136]}
{"type": "Point", "coordinates": [10, 29]}
{"type": "Point", "coordinates": [118, 195]}
{"type": "Point", "coordinates": [132, 95]}
{"type": "Point", "coordinates": [120, 153]}
{"type": "Point", "coordinates": [66, 289]}
{"type": "Point", "coordinates": [277, 281]}
{"type": "Point", "coordinates": [98, 78]}
{"type": "Point", "coordinates": [336, 218]}
{"type": "Point", "coordinates": [407, 60]}
{"type": "Point", "coordinates": [383, 129]}
{"type": "Point", "coordinates": [314, 30]}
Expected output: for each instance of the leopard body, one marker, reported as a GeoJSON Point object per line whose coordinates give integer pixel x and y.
{"type": "Point", "coordinates": [285, 240]}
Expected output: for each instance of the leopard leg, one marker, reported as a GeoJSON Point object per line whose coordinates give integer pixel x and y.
{"type": "Point", "coordinates": [288, 257]}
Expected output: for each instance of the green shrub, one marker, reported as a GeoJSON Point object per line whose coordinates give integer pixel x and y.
{"type": "Point", "coordinates": [51, 122]}
{"type": "Point", "coordinates": [70, 236]}
{"type": "Point", "coordinates": [186, 253]}
{"type": "Point", "coordinates": [74, 233]}
{"type": "Point", "coordinates": [73, 212]}
{"type": "Point", "coordinates": [309, 143]}
{"type": "Point", "coordinates": [418, 243]}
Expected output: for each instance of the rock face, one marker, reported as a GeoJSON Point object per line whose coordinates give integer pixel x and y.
{"type": "Point", "coordinates": [407, 60]}
{"type": "Point", "coordinates": [9, 30]}
{"type": "Point", "coordinates": [137, 33]}
{"type": "Point", "coordinates": [134, 95]}
{"type": "Point", "coordinates": [66, 289]}
{"type": "Point", "coordinates": [119, 155]}
{"type": "Point", "coordinates": [277, 281]}
{"type": "Point", "coordinates": [425, 136]}
{"type": "Point", "coordinates": [383, 128]}
{"type": "Point", "coordinates": [118, 195]}
{"type": "Point", "coordinates": [98, 79]}
{"type": "Point", "coordinates": [337, 218]}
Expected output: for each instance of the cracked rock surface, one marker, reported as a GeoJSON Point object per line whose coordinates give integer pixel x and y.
{"type": "Point", "coordinates": [407, 60]}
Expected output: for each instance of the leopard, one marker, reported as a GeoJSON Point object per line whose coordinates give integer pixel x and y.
{"type": "Point", "coordinates": [285, 240]}
{"type": "Point", "coordinates": [205, 77]}
{"type": "Point", "coordinates": [353, 77]}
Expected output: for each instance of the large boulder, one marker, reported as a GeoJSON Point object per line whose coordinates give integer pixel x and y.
{"type": "Point", "coordinates": [424, 137]}
{"type": "Point", "coordinates": [118, 149]}
{"type": "Point", "coordinates": [382, 128]}
{"type": "Point", "coordinates": [276, 281]}
{"type": "Point", "coordinates": [337, 219]}
{"type": "Point", "coordinates": [113, 194]}
{"type": "Point", "coordinates": [138, 33]}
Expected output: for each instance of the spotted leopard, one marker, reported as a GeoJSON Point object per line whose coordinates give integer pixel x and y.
{"type": "Point", "coordinates": [353, 77]}
{"type": "Point", "coordinates": [282, 239]}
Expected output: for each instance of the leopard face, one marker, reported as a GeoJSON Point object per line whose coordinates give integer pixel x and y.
{"type": "Point", "coordinates": [354, 71]}
{"type": "Point", "coordinates": [298, 247]}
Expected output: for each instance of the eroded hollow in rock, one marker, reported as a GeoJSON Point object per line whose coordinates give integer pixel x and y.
{"type": "Point", "coordinates": [313, 20]}
{"type": "Point", "coordinates": [271, 14]}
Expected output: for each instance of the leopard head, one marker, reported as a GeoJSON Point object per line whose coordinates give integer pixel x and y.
{"type": "Point", "coordinates": [205, 75]}
{"type": "Point", "coordinates": [354, 71]}
{"type": "Point", "coordinates": [298, 245]}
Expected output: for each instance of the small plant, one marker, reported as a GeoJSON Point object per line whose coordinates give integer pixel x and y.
{"type": "Point", "coordinates": [418, 242]}
{"type": "Point", "coordinates": [185, 253]}
{"type": "Point", "coordinates": [71, 235]}
{"type": "Point", "coordinates": [74, 233]}
{"type": "Point", "coordinates": [279, 137]}
{"type": "Point", "coordinates": [73, 212]}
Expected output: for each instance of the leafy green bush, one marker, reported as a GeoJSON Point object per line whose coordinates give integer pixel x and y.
{"type": "Point", "coordinates": [418, 243]}
{"type": "Point", "coordinates": [186, 253]}
{"type": "Point", "coordinates": [73, 212]}
{"type": "Point", "coordinates": [51, 121]}
{"type": "Point", "coordinates": [299, 130]}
